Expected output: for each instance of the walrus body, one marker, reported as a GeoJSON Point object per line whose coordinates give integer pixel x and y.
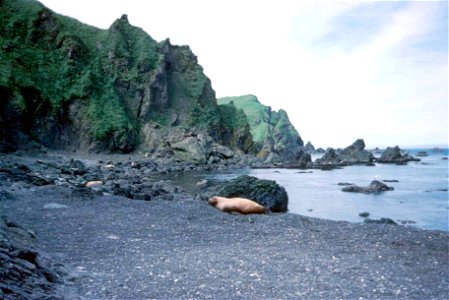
{"type": "Point", "coordinates": [237, 205]}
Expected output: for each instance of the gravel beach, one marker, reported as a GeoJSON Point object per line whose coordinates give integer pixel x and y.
{"type": "Point", "coordinates": [179, 247]}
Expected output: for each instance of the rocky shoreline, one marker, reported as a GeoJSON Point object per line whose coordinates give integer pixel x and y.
{"type": "Point", "coordinates": [99, 244]}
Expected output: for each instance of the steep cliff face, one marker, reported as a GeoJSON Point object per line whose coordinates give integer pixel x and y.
{"type": "Point", "coordinates": [275, 138]}
{"type": "Point", "coordinates": [69, 85]}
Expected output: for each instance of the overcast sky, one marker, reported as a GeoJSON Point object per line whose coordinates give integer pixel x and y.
{"type": "Point", "coordinates": [341, 70]}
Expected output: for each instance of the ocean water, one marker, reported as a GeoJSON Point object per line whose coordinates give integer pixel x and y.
{"type": "Point", "coordinates": [419, 198]}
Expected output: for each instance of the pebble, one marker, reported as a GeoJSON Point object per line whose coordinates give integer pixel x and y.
{"type": "Point", "coordinates": [55, 206]}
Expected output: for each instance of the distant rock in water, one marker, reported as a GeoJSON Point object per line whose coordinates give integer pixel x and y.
{"type": "Point", "coordinates": [345, 183]}
{"type": "Point", "coordinates": [356, 154]}
{"type": "Point", "coordinates": [275, 138]}
{"type": "Point", "coordinates": [329, 158]}
{"type": "Point", "coordinates": [265, 192]}
{"type": "Point", "coordinates": [309, 148]}
{"type": "Point", "coordinates": [422, 154]}
{"type": "Point", "coordinates": [353, 154]}
{"type": "Point", "coordinates": [374, 187]}
{"type": "Point", "coordinates": [394, 155]}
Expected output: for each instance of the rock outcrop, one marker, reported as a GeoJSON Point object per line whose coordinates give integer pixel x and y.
{"type": "Point", "coordinates": [309, 148]}
{"type": "Point", "coordinates": [374, 187]}
{"type": "Point", "coordinates": [26, 272]}
{"type": "Point", "coordinates": [275, 138]}
{"type": "Point", "coordinates": [67, 85]}
{"type": "Point", "coordinates": [394, 155]}
{"type": "Point", "coordinates": [265, 192]}
{"type": "Point", "coordinates": [353, 154]}
{"type": "Point", "coordinates": [356, 154]}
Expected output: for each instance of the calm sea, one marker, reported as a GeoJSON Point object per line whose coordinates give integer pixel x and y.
{"type": "Point", "coordinates": [419, 198]}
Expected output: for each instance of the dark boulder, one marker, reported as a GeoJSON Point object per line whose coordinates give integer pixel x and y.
{"type": "Point", "coordinates": [380, 221]}
{"type": "Point", "coordinates": [265, 192]}
{"type": "Point", "coordinates": [364, 214]}
{"type": "Point", "coordinates": [18, 172]}
{"type": "Point", "coordinates": [146, 191]}
{"type": "Point", "coordinates": [394, 155]}
{"type": "Point", "coordinates": [374, 187]}
{"type": "Point", "coordinates": [25, 271]}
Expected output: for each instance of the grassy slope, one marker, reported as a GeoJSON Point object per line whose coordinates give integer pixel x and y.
{"type": "Point", "coordinates": [65, 60]}
{"type": "Point", "coordinates": [256, 113]}
{"type": "Point", "coordinates": [107, 73]}
{"type": "Point", "coordinates": [267, 126]}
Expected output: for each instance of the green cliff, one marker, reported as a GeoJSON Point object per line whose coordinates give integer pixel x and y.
{"type": "Point", "coordinates": [275, 138]}
{"type": "Point", "coordinates": [67, 85]}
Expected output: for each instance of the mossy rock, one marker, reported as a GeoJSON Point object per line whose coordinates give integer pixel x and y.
{"type": "Point", "coordinates": [265, 192]}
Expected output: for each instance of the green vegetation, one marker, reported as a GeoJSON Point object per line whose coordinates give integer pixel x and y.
{"type": "Point", "coordinates": [256, 113]}
{"type": "Point", "coordinates": [271, 131]}
{"type": "Point", "coordinates": [236, 133]}
{"type": "Point", "coordinates": [106, 84]}
{"type": "Point", "coordinates": [60, 57]}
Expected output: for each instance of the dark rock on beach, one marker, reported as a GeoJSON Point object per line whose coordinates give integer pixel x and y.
{"type": "Point", "coordinates": [265, 192]}
{"type": "Point", "coordinates": [374, 187]}
{"type": "Point", "coordinates": [380, 221]}
{"type": "Point", "coordinates": [25, 271]}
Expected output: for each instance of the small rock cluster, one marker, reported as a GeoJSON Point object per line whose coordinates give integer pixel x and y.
{"type": "Point", "coordinates": [135, 179]}
{"type": "Point", "coordinates": [374, 187]}
{"type": "Point", "coordinates": [25, 272]}
{"type": "Point", "coordinates": [353, 154]}
{"type": "Point", "coordinates": [356, 154]}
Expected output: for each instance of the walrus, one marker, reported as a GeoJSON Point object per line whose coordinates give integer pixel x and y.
{"type": "Point", "coordinates": [237, 205]}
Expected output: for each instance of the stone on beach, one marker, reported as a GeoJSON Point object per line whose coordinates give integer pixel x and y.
{"type": "Point", "coordinates": [265, 192]}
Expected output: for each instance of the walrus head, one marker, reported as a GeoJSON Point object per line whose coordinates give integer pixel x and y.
{"type": "Point", "coordinates": [213, 201]}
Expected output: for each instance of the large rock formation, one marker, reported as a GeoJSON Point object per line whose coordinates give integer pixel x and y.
{"type": "Point", "coordinates": [275, 138]}
{"type": "Point", "coordinates": [353, 154]}
{"type": "Point", "coordinates": [356, 153]}
{"type": "Point", "coordinates": [394, 155]}
{"type": "Point", "coordinates": [64, 84]}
